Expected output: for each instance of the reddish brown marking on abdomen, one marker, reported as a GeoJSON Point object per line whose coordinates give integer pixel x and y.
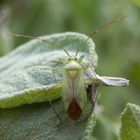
{"type": "Point", "coordinates": [74, 111]}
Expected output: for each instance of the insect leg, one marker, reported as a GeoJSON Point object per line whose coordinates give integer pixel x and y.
{"type": "Point", "coordinates": [55, 111]}
{"type": "Point", "coordinates": [91, 73]}
{"type": "Point", "coordinates": [93, 92]}
{"type": "Point", "coordinates": [94, 87]}
{"type": "Point", "coordinates": [92, 95]}
{"type": "Point", "coordinates": [53, 108]}
{"type": "Point", "coordinates": [104, 80]}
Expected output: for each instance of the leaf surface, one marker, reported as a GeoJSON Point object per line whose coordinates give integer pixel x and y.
{"type": "Point", "coordinates": [27, 83]}
{"type": "Point", "coordinates": [130, 123]}
{"type": "Point", "coordinates": [26, 73]}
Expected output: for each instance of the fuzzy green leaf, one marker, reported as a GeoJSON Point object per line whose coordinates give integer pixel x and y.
{"type": "Point", "coordinates": [26, 78]}
{"type": "Point", "coordinates": [38, 122]}
{"type": "Point", "coordinates": [26, 73]}
{"type": "Point", "coordinates": [130, 123]}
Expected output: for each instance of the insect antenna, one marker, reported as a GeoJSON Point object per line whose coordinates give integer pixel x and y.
{"type": "Point", "coordinates": [27, 36]}
{"type": "Point", "coordinates": [100, 29]}
{"type": "Point", "coordinates": [67, 52]}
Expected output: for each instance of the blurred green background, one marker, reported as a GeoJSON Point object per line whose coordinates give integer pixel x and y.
{"type": "Point", "coordinates": [118, 46]}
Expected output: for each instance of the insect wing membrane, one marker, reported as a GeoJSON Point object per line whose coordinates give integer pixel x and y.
{"type": "Point", "coordinates": [74, 93]}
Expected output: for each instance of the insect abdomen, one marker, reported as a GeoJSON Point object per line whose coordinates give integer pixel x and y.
{"type": "Point", "coordinates": [74, 111]}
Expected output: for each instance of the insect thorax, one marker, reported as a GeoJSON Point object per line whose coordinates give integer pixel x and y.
{"type": "Point", "coordinates": [72, 67]}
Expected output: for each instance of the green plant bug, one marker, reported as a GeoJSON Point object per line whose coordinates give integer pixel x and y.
{"type": "Point", "coordinates": [74, 91]}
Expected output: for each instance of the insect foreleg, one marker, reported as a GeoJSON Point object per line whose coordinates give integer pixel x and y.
{"type": "Point", "coordinates": [91, 73]}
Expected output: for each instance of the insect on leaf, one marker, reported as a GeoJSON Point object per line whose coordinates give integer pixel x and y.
{"type": "Point", "coordinates": [26, 73]}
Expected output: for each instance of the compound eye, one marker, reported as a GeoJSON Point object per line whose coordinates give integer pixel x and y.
{"type": "Point", "coordinates": [75, 59]}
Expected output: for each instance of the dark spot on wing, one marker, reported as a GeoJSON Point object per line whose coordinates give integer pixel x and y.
{"type": "Point", "coordinates": [74, 111]}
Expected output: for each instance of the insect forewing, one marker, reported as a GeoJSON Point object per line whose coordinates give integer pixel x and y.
{"type": "Point", "coordinates": [74, 88]}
